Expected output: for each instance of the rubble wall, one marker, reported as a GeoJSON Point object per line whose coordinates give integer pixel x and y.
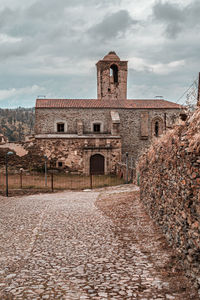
{"type": "Point", "coordinates": [26, 155]}
{"type": "Point", "coordinates": [131, 121]}
{"type": "Point", "coordinates": [121, 172]}
{"type": "Point", "coordinates": [170, 189]}
{"type": "Point", "coordinates": [73, 153]}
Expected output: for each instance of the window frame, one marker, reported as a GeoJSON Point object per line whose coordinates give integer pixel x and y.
{"type": "Point", "coordinates": [156, 128]}
{"type": "Point", "coordinates": [160, 123]}
{"type": "Point", "coordinates": [60, 164]}
{"type": "Point", "coordinates": [96, 124]}
{"type": "Point", "coordinates": [58, 122]}
{"type": "Point", "coordinates": [58, 129]}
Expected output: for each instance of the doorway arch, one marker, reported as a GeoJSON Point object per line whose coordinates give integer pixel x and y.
{"type": "Point", "coordinates": [97, 164]}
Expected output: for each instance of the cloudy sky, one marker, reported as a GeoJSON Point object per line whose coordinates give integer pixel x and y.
{"type": "Point", "coordinates": [50, 47]}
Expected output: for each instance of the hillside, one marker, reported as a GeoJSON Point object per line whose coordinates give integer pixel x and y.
{"type": "Point", "coordinates": [15, 124]}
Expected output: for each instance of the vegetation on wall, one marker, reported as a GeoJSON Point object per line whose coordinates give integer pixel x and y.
{"type": "Point", "coordinates": [16, 123]}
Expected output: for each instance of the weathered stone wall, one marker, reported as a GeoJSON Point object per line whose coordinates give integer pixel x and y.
{"type": "Point", "coordinates": [26, 155]}
{"type": "Point", "coordinates": [47, 118]}
{"type": "Point", "coordinates": [121, 172]}
{"type": "Point", "coordinates": [170, 189]}
{"type": "Point", "coordinates": [106, 88]}
{"type": "Point", "coordinates": [131, 121]}
{"type": "Point", "coordinates": [74, 153]}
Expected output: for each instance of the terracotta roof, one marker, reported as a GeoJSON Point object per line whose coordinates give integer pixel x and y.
{"type": "Point", "coordinates": [111, 56]}
{"type": "Point", "coordinates": [96, 103]}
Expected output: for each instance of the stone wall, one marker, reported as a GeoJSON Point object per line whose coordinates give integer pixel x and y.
{"type": "Point", "coordinates": [121, 172]}
{"type": "Point", "coordinates": [131, 123]}
{"type": "Point", "coordinates": [170, 189]}
{"type": "Point", "coordinates": [106, 87]}
{"type": "Point", "coordinates": [26, 155]}
{"type": "Point", "coordinates": [73, 152]}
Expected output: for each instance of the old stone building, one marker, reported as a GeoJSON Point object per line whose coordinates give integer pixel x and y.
{"type": "Point", "coordinates": [92, 135]}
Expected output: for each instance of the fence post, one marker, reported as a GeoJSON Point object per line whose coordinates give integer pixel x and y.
{"type": "Point", "coordinates": [126, 167]}
{"type": "Point", "coordinates": [91, 181]}
{"type": "Point", "coordinates": [6, 176]}
{"type": "Point", "coordinates": [6, 161]}
{"type": "Point", "coordinates": [138, 179]}
{"type": "Point", "coordinates": [45, 169]}
{"type": "Point", "coordinates": [71, 181]}
{"type": "Point", "coordinates": [52, 181]}
{"type": "Point", "coordinates": [131, 167]}
{"type": "Point", "coordinates": [21, 178]}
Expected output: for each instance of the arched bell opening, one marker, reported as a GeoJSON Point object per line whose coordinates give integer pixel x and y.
{"type": "Point", "coordinates": [114, 73]}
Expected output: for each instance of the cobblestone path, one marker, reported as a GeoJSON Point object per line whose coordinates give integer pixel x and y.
{"type": "Point", "coordinates": [85, 245]}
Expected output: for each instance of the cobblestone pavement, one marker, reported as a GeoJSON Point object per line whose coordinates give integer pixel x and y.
{"type": "Point", "coordinates": [85, 245]}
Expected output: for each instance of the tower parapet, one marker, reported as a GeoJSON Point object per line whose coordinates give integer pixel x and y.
{"type": "Point", "coordinates": [112, 77]}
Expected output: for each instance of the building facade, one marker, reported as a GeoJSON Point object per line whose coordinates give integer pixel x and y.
{"type": "Point", "coordinates": [92, 135]}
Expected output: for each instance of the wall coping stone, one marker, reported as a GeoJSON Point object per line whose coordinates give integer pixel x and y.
{"type": "Point", "coordinates": [75, 136]}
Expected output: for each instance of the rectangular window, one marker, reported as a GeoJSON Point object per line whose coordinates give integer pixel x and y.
{"type": "Point", "coordinates": [96, 127]}
{"type": "Point", "coordinates": [60, 127]}
{"type": "Point", "coordinates": [144, 125]}
{"type": "Point", "coordinates": [60, 164]}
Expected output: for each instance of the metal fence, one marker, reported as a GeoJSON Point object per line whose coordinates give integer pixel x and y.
{"type": "Point", "coordinates": [55, 181]}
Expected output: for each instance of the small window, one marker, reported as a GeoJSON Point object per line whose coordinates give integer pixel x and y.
{"type": "Point", "coordinates": [96, 127]}
{"type": "Point", "coordinates": [114, 73]}
{"type": "Point", "coordinates": [156, 128]}
{"type": "Point", "coordinates": [60, 164]}
{"type": "Point", "coordinates": [60, 127]}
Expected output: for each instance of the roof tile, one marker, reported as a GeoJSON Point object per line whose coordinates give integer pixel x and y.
{"type": "Point", "coordinates": [96, 103]}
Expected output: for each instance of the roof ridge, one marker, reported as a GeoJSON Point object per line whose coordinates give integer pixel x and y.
{"type": "Point", "coordinates": [99, 103]}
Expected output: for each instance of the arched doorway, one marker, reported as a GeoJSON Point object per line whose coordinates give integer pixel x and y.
{"type": "Point", "coordinates": [97, 164]}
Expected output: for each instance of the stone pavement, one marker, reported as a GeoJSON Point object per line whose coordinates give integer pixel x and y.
{"type": "Point", "coordinates": [85, 245]}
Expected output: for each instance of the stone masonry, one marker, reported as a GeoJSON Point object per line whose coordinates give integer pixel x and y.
{"type": "Point", "coordinates": [95, 245]}
{"type": "Point", "coordinates": [73, 153]}
{"type": "Point", "coordinates": [81, 135]}
{"type": "Point", "coordinates": [111, 78]}
{"type": "Point", "coordinates": [170, 189]}
{"type": "Point", "coordinates": [131, 122]}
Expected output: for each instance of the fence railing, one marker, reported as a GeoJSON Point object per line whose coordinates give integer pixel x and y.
{"type": "Point", "coordinates": [56, 181]}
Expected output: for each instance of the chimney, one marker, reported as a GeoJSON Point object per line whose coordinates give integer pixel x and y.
{"type": "Point", "coordinates": [198, 95]}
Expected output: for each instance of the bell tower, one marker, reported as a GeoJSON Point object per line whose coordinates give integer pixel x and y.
{"type": "Point", "coordinates": [112, 78]}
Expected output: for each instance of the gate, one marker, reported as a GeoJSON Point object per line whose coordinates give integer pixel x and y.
{"type": "Point", "coordinates": [97, 164]}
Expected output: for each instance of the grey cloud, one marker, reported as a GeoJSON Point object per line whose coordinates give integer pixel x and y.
{"type": "Point", "coordinates": [177, 18]}
{"type": "Point", "coordinates": [113, 25]}
{"type": "Point", "coordinates": [32, 20]}
{"type": "Point", "coordinates": [38, 31]}
{"type": "Point", "coordinates": [49, 27]}
{"type": "Point", "coordinates": [54, 36]}
{"type": "Point", "coordinates": [17, 49]}
{"type": "Point", "coordinates": [173, 30]}
{"type": "Point", "coordinates": [55, 11]}
{"type": "Point", "coordinates": [7, 16]}
{"type": "Point", "coordinates": [168, 12]}
{"type": "Point", "coordinates": [45, 15]}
